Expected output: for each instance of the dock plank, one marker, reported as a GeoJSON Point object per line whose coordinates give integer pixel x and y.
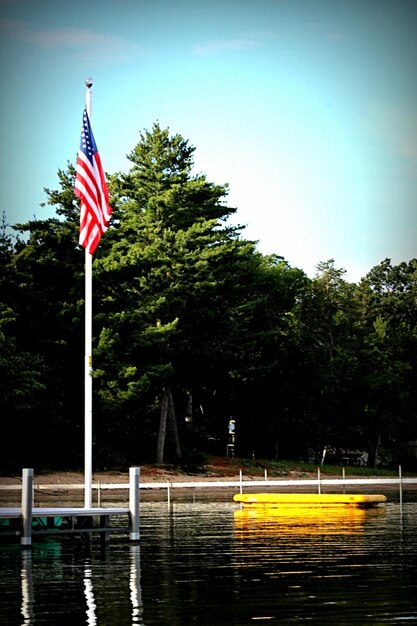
{"type": "Point", "coordinates": [16, 512]}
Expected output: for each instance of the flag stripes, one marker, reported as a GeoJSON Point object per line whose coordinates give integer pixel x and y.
{"type": "Point", "coordinates": [91, 189]}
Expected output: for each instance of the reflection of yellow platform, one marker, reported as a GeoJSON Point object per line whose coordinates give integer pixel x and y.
{"type": "Point", "coordinates": [310, 499]}
{"type": "Point", "coordinates": [266, 520]}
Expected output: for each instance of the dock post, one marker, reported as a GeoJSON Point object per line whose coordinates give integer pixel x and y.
{"type": "Point", "coordinates": [27, 498]}
{"type": "Point", "coordinates": [104, 536]}
{"type": "Point", "coordinates": [134, 500]}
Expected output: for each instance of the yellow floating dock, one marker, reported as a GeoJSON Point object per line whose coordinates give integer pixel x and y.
{"type": "Point", "coordinates": [310, 499]}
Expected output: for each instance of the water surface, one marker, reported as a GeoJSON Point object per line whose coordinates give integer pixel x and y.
{"type": "Point", "coordinates": [216, 564]}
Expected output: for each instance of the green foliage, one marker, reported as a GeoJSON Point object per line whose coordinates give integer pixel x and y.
{"type": "Point", "coordinates": [193, 461]}
{"type": "Point", "coordinates": [291, 467]}
{"type": "Point", "coordinates": [183, 302]}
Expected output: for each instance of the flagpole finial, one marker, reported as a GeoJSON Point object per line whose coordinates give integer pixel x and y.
{"type": "Point", "coordinates": [89, 82]}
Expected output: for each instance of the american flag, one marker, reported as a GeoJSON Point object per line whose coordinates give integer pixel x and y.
{"type": "Point", "coordinates": [91, 188]}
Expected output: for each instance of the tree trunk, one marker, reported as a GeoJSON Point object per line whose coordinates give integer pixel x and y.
{"type": "Point", "coordinates": [172, 424]}
{"type": "Point", "coordinates": [168, 421]}
{"type": "Point", "coordinates": [373, 452]}
{"type": "Point", "coordinates": [162, 428]}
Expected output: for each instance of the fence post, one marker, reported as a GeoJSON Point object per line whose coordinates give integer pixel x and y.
{"type": "Point", "coordinates": [134, 500]}
{"type": "Point", "coordinates": [27, 499]}
{"type": "Point", "coordinates": [400, 484]}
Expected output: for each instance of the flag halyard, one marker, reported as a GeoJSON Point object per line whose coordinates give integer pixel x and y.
{"type": "Point", "coordinates": [91, 189]}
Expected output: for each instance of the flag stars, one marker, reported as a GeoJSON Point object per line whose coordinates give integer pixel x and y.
{"type": "Point", "coordinates": [87, 141]}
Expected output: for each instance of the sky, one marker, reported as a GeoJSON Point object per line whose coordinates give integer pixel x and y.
{"type": "Point", "coordinates": [306, 108]}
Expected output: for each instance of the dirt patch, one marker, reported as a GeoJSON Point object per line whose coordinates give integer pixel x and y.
{"type": "Point", "coordinates": [217, 468]}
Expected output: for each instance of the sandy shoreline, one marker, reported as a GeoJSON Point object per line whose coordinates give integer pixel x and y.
{"type": "Point", "coordinates": [55, 487]}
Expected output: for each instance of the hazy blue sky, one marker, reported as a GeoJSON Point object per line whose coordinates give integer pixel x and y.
{"type": "Point", "coordinates": [307, 108]}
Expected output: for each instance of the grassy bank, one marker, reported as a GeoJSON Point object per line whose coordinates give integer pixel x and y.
{"type": "Point", "coordinates": [283, 468]}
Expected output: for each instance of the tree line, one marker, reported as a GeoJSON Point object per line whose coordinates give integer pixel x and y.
{"type": "Point", "coordinates": [192, 326]}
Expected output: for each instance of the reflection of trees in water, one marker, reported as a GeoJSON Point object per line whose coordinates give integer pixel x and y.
{"type": "Point", "coordinates": [185, 571]}
{"type": "Point", "coordinates": [211, 563]}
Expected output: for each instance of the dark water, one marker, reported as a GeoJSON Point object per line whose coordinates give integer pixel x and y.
{"type": "Point", "coordinates": [214, 564]}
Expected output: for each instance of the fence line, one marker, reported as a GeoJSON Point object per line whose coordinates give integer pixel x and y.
{"type": "Point", "coordinates": [223, 483]}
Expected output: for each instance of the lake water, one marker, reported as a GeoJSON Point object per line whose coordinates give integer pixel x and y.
{"type": "Point", "coordinates": [208, 563]}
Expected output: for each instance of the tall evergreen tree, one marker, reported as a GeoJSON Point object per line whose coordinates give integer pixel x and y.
{"type": "Point", "coordinates": [168, 280]}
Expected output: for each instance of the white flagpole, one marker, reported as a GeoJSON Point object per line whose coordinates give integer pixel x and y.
{"type": "Point", "coordinates": [88, 360]}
